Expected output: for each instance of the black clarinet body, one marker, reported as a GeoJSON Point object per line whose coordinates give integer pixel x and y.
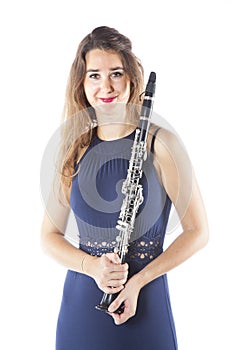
{"type": "Point", "coordinates": [131, 188]}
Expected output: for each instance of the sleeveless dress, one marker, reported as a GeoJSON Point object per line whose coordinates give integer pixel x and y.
{"type": "Point", "coordinates": [96, 200]}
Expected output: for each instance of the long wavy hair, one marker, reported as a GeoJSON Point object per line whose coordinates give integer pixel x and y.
{"type": "Point", "coordinates": [79, 119]}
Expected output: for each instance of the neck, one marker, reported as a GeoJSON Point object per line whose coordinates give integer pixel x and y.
{"type": "Point", "coordinates": [112, 122]}
{"type": "Point", "coordinates": [115, 131]}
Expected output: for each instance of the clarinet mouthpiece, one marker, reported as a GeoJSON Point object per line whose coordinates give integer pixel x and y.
{"type": "Point", "coordinates": [152, 77]}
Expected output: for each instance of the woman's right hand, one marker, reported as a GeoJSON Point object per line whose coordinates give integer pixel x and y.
{"type": "Point", "coordinates": [108, 272]}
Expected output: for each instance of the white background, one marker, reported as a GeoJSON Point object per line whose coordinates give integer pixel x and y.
{"type": "Point", "coordinates": [189, 45]}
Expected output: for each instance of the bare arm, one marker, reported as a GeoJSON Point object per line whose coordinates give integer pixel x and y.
{"type": "Point", "coordinates": [180, 184]}
{"type": "Point", "coordinates": [178, 178]}
{"type": "Point", "coordinates": [106, 271]}
{"type": "Point", "coordinates": [54, 243]}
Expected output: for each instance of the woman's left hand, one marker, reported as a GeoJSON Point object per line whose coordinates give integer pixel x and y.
{"type": "Point", "coordinates": [129, 297]}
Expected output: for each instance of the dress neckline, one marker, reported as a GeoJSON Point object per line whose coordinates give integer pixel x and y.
{"type": "Point", "coordinates": [128, 136]}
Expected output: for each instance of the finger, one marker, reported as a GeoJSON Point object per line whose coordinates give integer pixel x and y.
{"type": "Point", "coordinates": [110, 273]}
{"type": "Point", "coordinates": [117, 318]}
{"type": "Point", "coordinates": [112, 290]}
{"type": "Point", "coordinates": [120, 267]}
{"type": "Point", "coordinates": [113, 265]}
{"type": "Point", "coordinates": [121, 277]}
{"type": "Point", "coordinates": [120, 318]}
{"type": "Point", "coordinates": [123, 317]}
{"type": "Point", "coordinates": [115, 304]}
{"type": "Point", "coordinates": [114, 257]}
{"type": "Point", "coordinates": [108, 277]}
{"type": "Point", "coordinates": [114, 284]}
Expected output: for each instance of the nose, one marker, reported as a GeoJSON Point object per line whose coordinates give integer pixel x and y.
{"type": "Point", "coordinates": [106, 86]}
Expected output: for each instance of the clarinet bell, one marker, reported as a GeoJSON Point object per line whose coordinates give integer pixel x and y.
{"type": "Point", "coordinates": [106, 300]}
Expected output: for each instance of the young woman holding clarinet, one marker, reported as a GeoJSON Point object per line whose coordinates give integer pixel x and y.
{"type": "Point", "coordinates": [119, 174]}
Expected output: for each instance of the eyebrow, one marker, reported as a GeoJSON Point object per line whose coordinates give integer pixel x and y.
{"type": "Point", "coordinates": [111, 69]}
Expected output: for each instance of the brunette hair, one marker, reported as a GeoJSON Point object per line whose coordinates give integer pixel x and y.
{"type": "Point", "coordinates": [79, 116]}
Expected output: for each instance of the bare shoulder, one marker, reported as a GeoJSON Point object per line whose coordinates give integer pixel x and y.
{"type": "Point", "coordinates": [66, 189]}
{"type": "Point", "coordinates": [172, 163]}
{"type": "Point", "coordinates": [178, 178]}
{"type": "Point", "coordinates": [153, 130]}
{"type": "Point", "coordinates": [164, 136]}
{"type": "Point", "coordinates": [166, 139]}
{"type": "Point", "coordinates": [169, 145]}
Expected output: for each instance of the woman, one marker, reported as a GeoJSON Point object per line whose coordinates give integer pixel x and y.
{"type": "Point", "coordinates": [101, 113]}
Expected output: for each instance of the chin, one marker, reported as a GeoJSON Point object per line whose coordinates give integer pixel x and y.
{"type": "Point", "coordinates": [110, 112]}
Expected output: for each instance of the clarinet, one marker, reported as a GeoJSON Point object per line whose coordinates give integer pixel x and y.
{"type": "Point", "coordinates": [131, 188]}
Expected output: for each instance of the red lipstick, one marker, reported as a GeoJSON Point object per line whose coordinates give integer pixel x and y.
{"type": "Point", "coordinates": [108, 99]}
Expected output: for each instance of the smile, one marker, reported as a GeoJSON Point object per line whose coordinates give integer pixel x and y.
{"type": "Point", "coordinates": [108, 99]}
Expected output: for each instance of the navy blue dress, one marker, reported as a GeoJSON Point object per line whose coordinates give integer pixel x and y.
{"type": "Point", "coordinates": [96, 200]}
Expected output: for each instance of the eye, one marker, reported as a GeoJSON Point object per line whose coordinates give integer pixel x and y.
{"type": "Point", "coordinates": [117, 74]}
{"type": "Point", "coordinates": [94, 76]}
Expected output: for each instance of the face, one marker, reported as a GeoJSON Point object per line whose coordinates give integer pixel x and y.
{"type": "Point", "coordinates": [106, 83]}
